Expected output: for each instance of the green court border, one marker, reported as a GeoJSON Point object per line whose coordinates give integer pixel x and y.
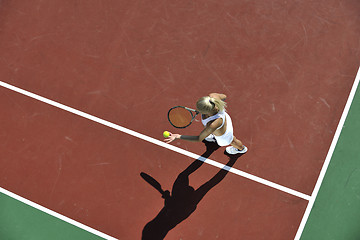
{"type": "Point", "coordinates": [19, 221]}
{"type": "Point", "coordinates": [22, 219]}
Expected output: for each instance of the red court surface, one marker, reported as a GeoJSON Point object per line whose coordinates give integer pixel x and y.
{"type": "Point", "coordinates": [287, 68]}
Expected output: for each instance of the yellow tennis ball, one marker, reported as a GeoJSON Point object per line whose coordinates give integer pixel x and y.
{"type": "Point", "coordinates": [166, 134]}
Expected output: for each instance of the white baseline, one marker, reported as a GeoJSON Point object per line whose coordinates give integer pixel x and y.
{"type": "Point", "coordinates": [155, 141]}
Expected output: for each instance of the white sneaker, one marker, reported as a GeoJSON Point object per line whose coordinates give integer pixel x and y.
{"type": "Point", "coordinates": [210, 138]}
{"type": "Point", "coordinates": [233, 150]}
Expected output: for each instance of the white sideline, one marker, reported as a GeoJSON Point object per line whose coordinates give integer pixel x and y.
{"type": "Point", "coordinates": [328, 157]}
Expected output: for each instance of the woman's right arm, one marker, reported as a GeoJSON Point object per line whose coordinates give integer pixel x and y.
{"type": "Point", "coordinates": [220, 96]}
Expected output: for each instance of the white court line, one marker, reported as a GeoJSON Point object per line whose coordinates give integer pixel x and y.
{"type": "Point", "coordinates": [155, 141]}
{"type": "Point", "coordinates": [329, 156]}
{"type": "Point", "coordinates": [55, 214]}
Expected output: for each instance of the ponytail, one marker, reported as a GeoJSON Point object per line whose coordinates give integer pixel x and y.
{"type": "Point", "coordinates": [207, 104]}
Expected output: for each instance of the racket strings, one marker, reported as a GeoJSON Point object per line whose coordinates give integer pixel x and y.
{"type": "Point", "coordinates": [180, 117]}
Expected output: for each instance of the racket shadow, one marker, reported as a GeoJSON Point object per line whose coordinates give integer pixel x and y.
{"type": "Point", "coordinates": [183, 200]}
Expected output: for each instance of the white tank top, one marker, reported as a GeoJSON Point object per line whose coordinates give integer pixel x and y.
{"type": "Point", "coordinates": [220, 114]}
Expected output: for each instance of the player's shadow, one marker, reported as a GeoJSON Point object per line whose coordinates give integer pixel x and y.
{"type": "Point", "coordinates": [183, 200]}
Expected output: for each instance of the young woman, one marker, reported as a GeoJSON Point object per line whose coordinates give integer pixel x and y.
{"type": "Point", "coordinates": [217, 123]}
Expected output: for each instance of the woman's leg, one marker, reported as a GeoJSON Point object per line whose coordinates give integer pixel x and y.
{"type": "Point", "coordinates": [237, 144]}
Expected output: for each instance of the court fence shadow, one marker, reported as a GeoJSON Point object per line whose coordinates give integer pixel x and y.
{"type": "Point", "coordinates": [183, 200]}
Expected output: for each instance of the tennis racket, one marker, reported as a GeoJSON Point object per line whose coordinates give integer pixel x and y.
{"type": "Point", "coordinates": [181, 117]}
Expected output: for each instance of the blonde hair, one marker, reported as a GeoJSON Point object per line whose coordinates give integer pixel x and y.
{"type": "Point", "coordinates": [207, 104]}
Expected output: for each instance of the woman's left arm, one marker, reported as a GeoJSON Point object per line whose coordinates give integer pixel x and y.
{"type": "Point", "coordinates": [204, 133]}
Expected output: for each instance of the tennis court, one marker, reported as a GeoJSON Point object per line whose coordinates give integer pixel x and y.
{"type": "Point", "coordinates": [86, 86]}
